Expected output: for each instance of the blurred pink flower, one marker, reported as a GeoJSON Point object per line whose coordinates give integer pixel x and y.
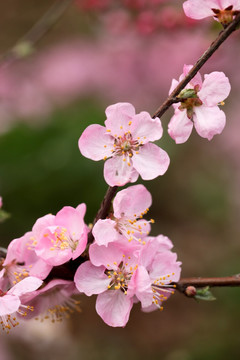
{"type": "Point", "coordinates": [53, 301]}
{"type": "Point", "coordinates": [11, 303]}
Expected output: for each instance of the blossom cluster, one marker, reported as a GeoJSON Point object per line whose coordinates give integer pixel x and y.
{"type": "Point", "coordinates": [123, 265]}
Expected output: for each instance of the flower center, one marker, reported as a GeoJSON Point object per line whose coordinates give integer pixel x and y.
{"type": "Point", "coordinates": [120, 277]}
{"type": "Point", "coordinates": [59, 312]}
{"type": "Point", "coordinates": [61, 240]}
{"type": "Point", "coordinates": [133, 229]}
{"type": "Point", "coordinates": [189, 100]}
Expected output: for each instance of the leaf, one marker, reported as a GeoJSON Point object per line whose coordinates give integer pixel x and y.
{"type": "Point", "coordinates": [204, 294]}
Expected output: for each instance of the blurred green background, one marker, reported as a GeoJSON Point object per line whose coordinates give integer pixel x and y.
{"type": "Point", "coordinates": [196, 204]}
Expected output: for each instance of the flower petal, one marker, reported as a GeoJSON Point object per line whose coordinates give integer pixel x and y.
{"type": "Point", "coordinates": [199, 9]}
{"type": "Point", "coordinates": [145, 129]}
{"type": "Point", "coordinates": [166, 264]}
{"type": "Point", "coordinates": [215, 88]}
{"type": "Point", "coordinates": [90, 279]}
{"type": "Point", "coordinates": [209, 121]}
{"type": "Point", "coordinates": [118, 117]}
{"type": "Point", "coordinates": [104, 232]}
{"type": "Point", "coordinates": [196, 80]}
{"type": "Point", "coordinates": [180, 127]}
{"type": "Point", "coordinates": [151, 161]}
{"type": "Point", "coordinates": [108, 256]}
{"type": "Point", "coordinates": [114, 307]}
{"type": "Point", "coordinates": [118, 172]}
{"type": "Point", "coordinates": [140, 285]}
{"type": "Point", "coordinates": [132, 201]}
{"type": "Point", "coordinates": [95, 143]}
{"type": "Point", "coordinates": [9, 304]}
{"type": "Point", "coordinates": [28, 284]}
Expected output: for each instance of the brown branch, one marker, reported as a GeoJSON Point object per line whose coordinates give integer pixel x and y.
{"type": "Point", "coordinates": [25, 45]}
{"type": "Point", "coordinates": [200, 282]}
{"type": "Point", "coordinates": [202, 60]}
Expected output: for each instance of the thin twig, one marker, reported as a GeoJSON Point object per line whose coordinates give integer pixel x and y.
{"type": "Point", "coordinates": [26, 44]}
{"type": "Point", "coordinates": [202, 60]}
{"type": "Point", "coordinates": [200, 282]}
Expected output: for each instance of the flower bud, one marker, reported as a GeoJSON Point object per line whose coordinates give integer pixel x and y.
{"type": "Point", "coordinates": [191, 291]}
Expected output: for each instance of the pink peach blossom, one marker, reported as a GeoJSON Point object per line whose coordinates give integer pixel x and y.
{"type": "Point", "coordinates": [123, 275]}
{"type": "Point", "coordinates": [109, 282]}
{"type": "Point", "coordinates": [200, 108]}
{"type": "Point", "coordinates": [53, 301]}
{"type": "Point", "coordinates": [127, 140]}
{"type": "Point", "coordinates": [62, 237]}
{"type": "Point", "coordinates": [128, 206]}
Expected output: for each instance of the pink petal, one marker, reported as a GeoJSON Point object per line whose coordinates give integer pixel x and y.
{"type": "Point", "coordinates": [117, 172]}
{"type": "Point", "coordinates": [114, 307]}
{"type": "Point", "coordinates": [199, 9]}
{"type": "Point", "coordinates": [104, 232]}
{"type": "Point", "coordinates": [42, 223]}
{"type": "Point", "coordinates": [196, 80]}
{"type": "Point", "coordinates": [145, 129]}
{"type": "Point", "coordinates": [28, 284]}
{"type": "Point", "coordinates": [108, 256]}
{"type": "Point", "coordinates": [180, 127]}
{"type": "Point", "coordinates": [118, 117]}
{"type": "Point", "coordinates": [140, 285]}
{"type": "Point", "coordinates": [209, 121]}
{"type": "Point", "coordinates": [9, 304]}
{"type": "Point", "coordinates": [153, 246]}
{"type": "Point", "coordinates": [173, 86]}
{"type": "Point", "coordinates": [151, 161]}
{"type": "Point", "coordinates": [132, 201]}
{"type": "Point", "coordinates": [215, 88]}
{"type": "Point", "coordinates": [95, 143]}
{"type": "Point", "coordinates": [71, 219]}
{"type": "Point", "coordinates": [150, 308]}
{"type": "Point", "coordinates": [90, 279]}
{"type": "Point", "coordinates": [166, 264]}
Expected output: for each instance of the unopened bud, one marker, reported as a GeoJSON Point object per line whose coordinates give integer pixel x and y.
{"type": "Point", "coordinates": [191, 291]}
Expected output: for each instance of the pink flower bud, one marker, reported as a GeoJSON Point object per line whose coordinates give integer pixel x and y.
{"type": "Point", "coordinates": [191, 291]}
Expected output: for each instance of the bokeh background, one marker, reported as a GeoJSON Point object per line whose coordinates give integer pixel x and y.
{"type": "Point", "coordinates": [92, 58]}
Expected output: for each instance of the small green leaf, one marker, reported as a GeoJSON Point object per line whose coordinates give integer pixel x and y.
{"type": "Point", "coordinates": [204, 294]}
